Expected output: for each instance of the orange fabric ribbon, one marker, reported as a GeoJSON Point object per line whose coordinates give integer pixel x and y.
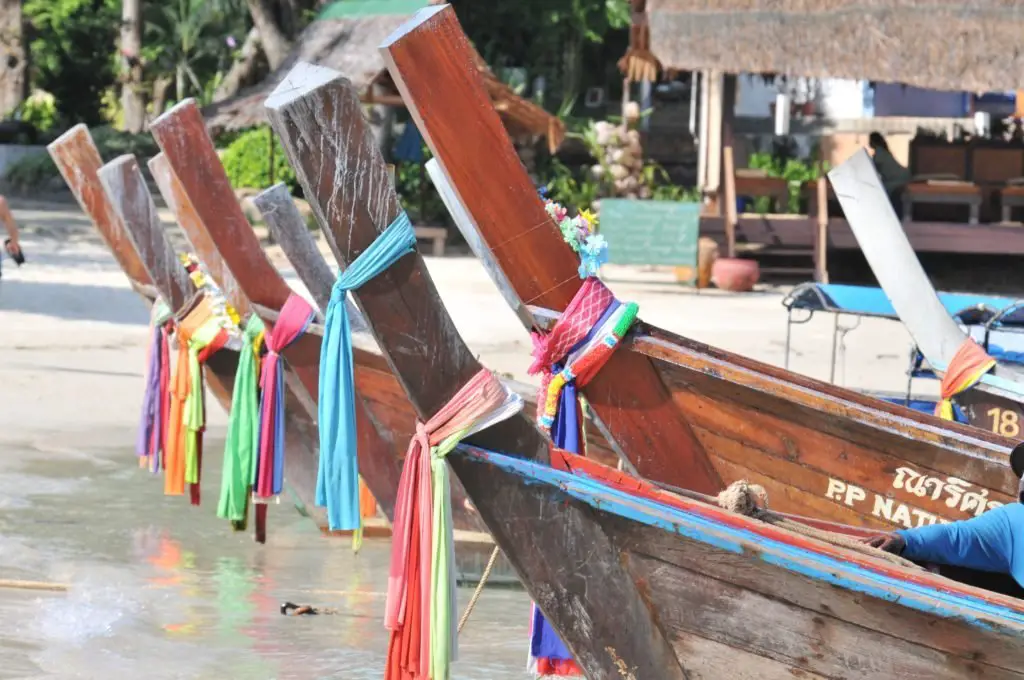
{"type": "Point", "coordinates": [969, 365]}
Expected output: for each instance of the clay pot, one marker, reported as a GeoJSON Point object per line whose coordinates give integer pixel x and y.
{"type": "Point", "coordinates": [735, 275]}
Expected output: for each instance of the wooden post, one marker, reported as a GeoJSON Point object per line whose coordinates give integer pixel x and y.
{"type": "Point", "coordinates": [713, 186]}
{"type": "Point", "coordinates": [731, 217]}
{"type": "Point", "coordinates": [821, 232]}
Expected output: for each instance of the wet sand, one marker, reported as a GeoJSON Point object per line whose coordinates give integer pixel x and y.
{"type": "Point", "coordinates": [159, 589]}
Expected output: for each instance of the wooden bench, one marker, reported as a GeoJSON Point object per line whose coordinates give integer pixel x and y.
{"type": "Point", "coordinates": [1011, 196]}
{"type": "Point", "coordinates": [436, 235]}
{"type": "Point", "coordinates": [946, 192]}
{"type": "Point", "coordinates": [757, 184]}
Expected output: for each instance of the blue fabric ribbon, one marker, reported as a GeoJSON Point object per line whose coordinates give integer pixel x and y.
{"type": "Point", "coordinates": [337, 483]}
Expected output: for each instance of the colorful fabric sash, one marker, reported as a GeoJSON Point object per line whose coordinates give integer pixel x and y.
{"type": "Point", "coordinates": [243, 430]}
{"type": "Point", "coordinates": [153, 424]}
{"type": "Point", "coordinates": [581, 342]}
{"type": "Point", "coordinates": [969, 365]}
{"type": "Point", "coordinates": [200, 334]}
{"type": "Point", "coordinates": [337, 483]}
{"type": "Point", "coordinates": [295, 317]}
{"type": "Point", "coordinates": [421, 583]}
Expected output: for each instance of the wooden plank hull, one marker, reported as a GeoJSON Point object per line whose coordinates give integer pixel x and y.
{"type": "Point", "coordinates": [819, 449]}
{"type": "Point", "coordinates": [735, 598]}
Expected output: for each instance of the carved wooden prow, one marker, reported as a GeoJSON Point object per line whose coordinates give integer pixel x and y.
{"type": "Point", "coordinates": [319, 118]}
{"type": "Point", "coordinates": [346, 180]}
{"type": "Point", "coordinates": [202, 245]}
{"type": "Point", "coordinates": [127, 191]}
{"type": "Point", "coordinates": [181, 134]}
{"type": "Point", "coordinates": [79, 160]}
{"type": "Point", "coordinates": [430, 60]}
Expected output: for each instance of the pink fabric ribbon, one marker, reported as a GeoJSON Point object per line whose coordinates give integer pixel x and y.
{"type": "Point", "coordinates": [407, 611]}
{"type": "Point", "coordinates": [295, 317]}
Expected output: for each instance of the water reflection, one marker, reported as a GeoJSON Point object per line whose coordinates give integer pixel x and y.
{"type": "Point", "coordinates": [161, 589]}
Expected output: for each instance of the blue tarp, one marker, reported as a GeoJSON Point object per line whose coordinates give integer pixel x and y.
{"type": "Point", "coordinates": [867, 301]}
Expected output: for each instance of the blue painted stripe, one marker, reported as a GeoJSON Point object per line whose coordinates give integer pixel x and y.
{"type": "Point", "coordinates": [974, 611]}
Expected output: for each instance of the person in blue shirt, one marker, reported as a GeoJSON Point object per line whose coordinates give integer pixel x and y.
{"type": "Point", "coordinates": [985, 543]}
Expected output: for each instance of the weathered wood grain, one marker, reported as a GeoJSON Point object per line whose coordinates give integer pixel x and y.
{"type": "Point", "coordinates": [817, 598]}
{"type": "Point", "coordinates": [127, 191]}
{"type": "Point", "coordinates": [202, 245]}
{"type": "Point", "coordinates": [579, 584]}
{"type": "Point", "coordinates": [205, 184]}
{"type": "Point", "coordinates": [289, 230]}
{"type": "Point", "coordinates": [78, 160]}
{"type": "Point", "coordinates": [429, 59]}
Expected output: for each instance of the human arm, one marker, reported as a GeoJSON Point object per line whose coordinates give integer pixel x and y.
{"type": "Point", "coordinates": [12, 244]}
{"type": "Point", "coordinates": [984, 543]}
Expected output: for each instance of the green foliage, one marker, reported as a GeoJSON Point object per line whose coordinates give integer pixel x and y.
{"type": "Point", "coordinates": [550, 38]}
{"type": "Point", "coordinates": [247, 162]}
{"type": "Point", "coordinates": [781, 162]}
{"type": "Point", "coordinates": [38, 171]}
{"type": "Point", "coordinates": [39, 110]}
{"type": "Point", "coordinates": [575, 190]}
{"type": "Point", "coordinates": [186, 39]}
{"type": "Point", "coordinates": [417, 194]}
{"type": "Point", "coordinates": [74, 53]}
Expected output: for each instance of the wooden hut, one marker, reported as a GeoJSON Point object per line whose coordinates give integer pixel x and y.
{"type": "Point", "coordinates": [970, 45]}
{"type": "Point", "coordinates": [345, 37]}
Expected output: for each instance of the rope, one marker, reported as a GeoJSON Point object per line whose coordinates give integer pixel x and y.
{"type": "Point", "coordinates": [337, 481]}
{"type": "Point", "coordinates": [479, 588]}
{"type": "Point", "coordinates": [751, 500]}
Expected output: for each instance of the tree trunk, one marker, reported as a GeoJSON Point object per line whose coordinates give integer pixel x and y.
{"type": "Point", "coordinates": [13, 80]}
{"type": "Point", "coordinates": [275, 43]}
{"type": "Point", "coordinates": [243, 71]}
{"type": "Point", "coordinates": [133, 99]}
{"type": "Point", "coordinates": [161, 87]}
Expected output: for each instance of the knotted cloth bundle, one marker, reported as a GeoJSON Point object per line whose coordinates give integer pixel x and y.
{"type": "Point", "coordinates": [242, 443]}
{"type": "Point", "coordinates": [155, 403]}
{"type": "Point", "coordinates": [294, 319]}
{"type": "Point", "coordinates": [968, 366]}
{"type": "Point", "coordinates": [337, 482]}
{"type": "Point", "coordinates": [201, 332]}
{"type": "Point", "coordinates": [421, 583]}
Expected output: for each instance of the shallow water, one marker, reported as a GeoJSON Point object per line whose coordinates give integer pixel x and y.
{"type": "Point", "coordinates": [160, 589]}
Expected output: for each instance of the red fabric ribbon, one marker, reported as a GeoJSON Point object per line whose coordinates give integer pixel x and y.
{"type": "Point", "coordinates": [295, 317]}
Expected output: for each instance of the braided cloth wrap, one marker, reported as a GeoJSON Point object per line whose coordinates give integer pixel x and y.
{"type": "Point", "coordinates": [968, 366]}
{"type": "Point", "coordinates": [581, 342]}
{"type": "Point", "coordinates": [421, 582]}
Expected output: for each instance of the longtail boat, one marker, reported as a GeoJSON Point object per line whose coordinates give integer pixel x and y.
{"type": "Point", "coordinates": [994, 398]}
{"type": "Point", "coordinates": [682, 412]}
{"type": "Point", "coordinates": [236, 243]}
{"type": "Point", "coordinates": [638, 582]}
{"type": "Point", "coordinates": [79, 162]}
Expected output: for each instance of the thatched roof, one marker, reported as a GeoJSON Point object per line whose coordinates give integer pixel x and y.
{"type": "Point", "coordinates": [349, 45]}
{"type": "Point", "coordinates": [971, 45]}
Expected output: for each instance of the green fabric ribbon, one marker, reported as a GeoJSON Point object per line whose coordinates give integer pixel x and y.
{"type": "Point", "coordinates": [442, 588]}
{"type": "Point", "coordinates": [243, 429]}
{"type": "Point", "coordinates": [194, 418]}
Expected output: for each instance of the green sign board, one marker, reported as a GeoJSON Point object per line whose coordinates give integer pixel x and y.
{"type": "Point", "coordinates": [652, 233]}
{"type": "Point", "coordinates": [355, 9]}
